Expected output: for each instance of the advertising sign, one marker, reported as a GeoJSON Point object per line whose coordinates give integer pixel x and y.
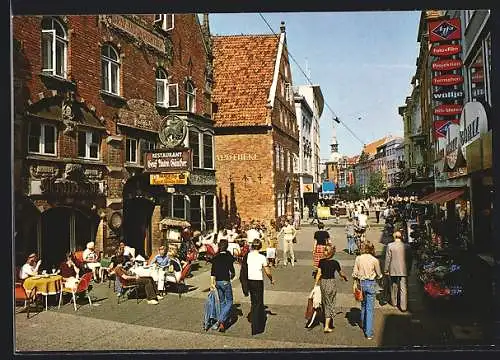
{"type": "Point", "coordinates": [453, 147]}
{"type": "Point", "coordinates": [328, 187]}
{"type": "Point", "coordinates": [448, 95]}
{"type": "Point", "coordinates": [444, 30]}
{"type": "Point", "coordinates": [473, 123]}
{"type": "Point", "coordinates": [448, 109]}
{"type": "Point", "coordinates": [167, 160]}
{"type": "Point", "coordinates": [307, 188]}
{"type": "Point", "coordinates": [445, 50]}
{"type": "Point", "coordinates": [168, 179]}
{"type": "Point", "coordinates": [447, 80]}
{"type": "Point", "coordinates": [447, 64]}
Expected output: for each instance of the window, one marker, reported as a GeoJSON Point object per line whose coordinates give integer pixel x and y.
{"type": "Point", "coordinates": [146, 145]}
{"type": "Point", "coordinates": [285, 160]}
{"type": "Point", "coordinates": [476, 78]}
{"type": "Point", "coordinates": [195, 212]}
{"type": "Point", "coordinates": [42, 139]}
{"type": "Point", "coordinates": [161, 88]}
{"type": "Point", "coordinates": [165, 21]}
{"type": "Point", "coordinates": [179, 207]}
{"type": "Point", "coordinates": [88, 144]}
{"type": "Point", "coordinates": [54, 48]}
{"type": "Point", "coordinates": [194, 145]}
{"type": "Point", "coordinates": [209, 212]}
{"type": "Point", "coordinates": [288, 92]}
{"type": "Point", "coordinates": [110, 67]}
{"type": "Point", "coordinates": [208, 162]}
{"type": "Point", "coordinates": [190, 97]}
{"type": "Point", "coordinates": [131, 150]}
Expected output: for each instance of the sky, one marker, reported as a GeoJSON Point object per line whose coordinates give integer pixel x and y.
{"type": "Point", "coordinates": [363, 62]}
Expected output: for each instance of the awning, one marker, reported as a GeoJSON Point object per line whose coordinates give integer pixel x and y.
{"type": "Point", "coordinates": [441, 196]}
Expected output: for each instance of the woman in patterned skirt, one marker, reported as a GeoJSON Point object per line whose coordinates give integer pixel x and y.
{"type": "Point", "coordinates": [321, 239]}
{"type": "Point", "coordinates": [326, 273]}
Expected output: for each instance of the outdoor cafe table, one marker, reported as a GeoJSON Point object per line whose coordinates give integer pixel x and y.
{"type": "Point", "coordinates": [45, 285]}
{"type": "Point", "coordinates": [158, 274]}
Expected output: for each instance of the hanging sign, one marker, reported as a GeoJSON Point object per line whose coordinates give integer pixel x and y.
{"type": "Point", "coordinates": [473, 123]}
{"type": "Point", "coordinates": [167, 160]}
{"type": "Point", "coordinates": [448, 95]}
{"type": "Point", "coordinates": [445, 50]}
{"type": "Point", "coordinates": [447, 64]}
{"type": "Point", "coordinates": [444, 30]}
{"type": "Point", "coordinates": [447, 80]}
{"type": "Point", "coordinates": [448, 109]}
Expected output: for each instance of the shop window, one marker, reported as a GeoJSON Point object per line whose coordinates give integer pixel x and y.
{"type": "Point", "coordinates": [110, 67]}
{"type": "Point", "coordinates": [42, 139]}
{"type": "Point", "coordinates": [476, 78]}
{"type": "Point", "coordinates": [208, 157]}
{"type": "Point", "coordinates": [194, 145]}
{"type": "Point", "coordinates": [190, 97]}
{"type": "Point", "coordinates": [178, 206]}
{"type": "Point", "coordinates": [209, 212]}
{"type": "Point", "coordinates": [54, 48]}
{"type": "Point", "coordinates": [131, 150]}
{"type": "Point", "coordinates": [195, 212]}
{"type": "Point", "coordinates": [88, 144]}
{"type": "Point", "coordinates": [165, 21]}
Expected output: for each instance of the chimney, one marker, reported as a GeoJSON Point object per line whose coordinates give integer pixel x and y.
{"type": "Point", "coordinates": [282, 27]}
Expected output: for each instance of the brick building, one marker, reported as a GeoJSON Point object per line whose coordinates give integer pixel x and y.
{"type": "Point", "coordinates": [257, 142]}
{"type": "Point", "coordinates": [90, 96]}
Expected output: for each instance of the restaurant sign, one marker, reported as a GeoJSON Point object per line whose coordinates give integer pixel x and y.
{"type": "Point", "coordinates": [169, 179]}
{"type": "Point", "coordinates": [445, 50]}
{"type": "Point", "coordinates": [168, 160]}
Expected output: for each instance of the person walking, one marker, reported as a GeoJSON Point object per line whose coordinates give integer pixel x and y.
{"type": "Point", "coordinates": [314, 213]}
{"type": "Point", "coordinates": [377, 211]}
{"type": "Point", "coordinates": [366, 270]}
{"type": "Point", "coordinates": [256, 265]}
{"type": "Point", "coordinates": [289, 238]}
{"type": "Point", "coordinates": [321, 239]}
{"type": "Point", "coordinates": [221, 274]}
{"type": "Point", "coordinates": [328, 286]}
{"type": "Point", "coordinates": [350, 233]}
{"type": "Point", "coordinates": [396, 257]}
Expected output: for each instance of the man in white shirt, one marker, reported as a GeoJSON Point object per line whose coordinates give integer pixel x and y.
{"type": "Point", "coordinates": [252, 234]}
{"type": "Point", "coordinates": [31, 267]}
{"type": "Point", "coordinates": [257, 264]}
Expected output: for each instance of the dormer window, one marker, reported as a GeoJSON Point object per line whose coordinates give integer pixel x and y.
{"type": "Point", "coordinates": [164, 21]}
{"type": "Point", "coordinates": [54, 48]}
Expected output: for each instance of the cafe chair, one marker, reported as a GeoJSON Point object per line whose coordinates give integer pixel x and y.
{"type": "Point", "coordinates": [28, 297]}
{"type": "Point", "coordinates": [181, 284]}
{"type": "Point", "coordinates": [127, 288]}
{"type": "Point", "coordinates": [82, 288]}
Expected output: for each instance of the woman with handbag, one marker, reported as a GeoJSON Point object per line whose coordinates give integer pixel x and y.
{"type": "Point", "coordinates": [289, 238]}
{"type": "Point", "coordinates": [366, 270]}
{"type": "Point", "coordinates": [325, 277]}
{"type": "Point", "coordinates": [321, 239]}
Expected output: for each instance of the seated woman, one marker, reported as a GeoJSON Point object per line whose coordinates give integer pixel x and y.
{"type": "Point", "coordinates": [173, 271]}
{"type": "Point", "coordinates": [69, 272]}
{"type": "Point", "coordinates": [91, 259]}
{"type": "Point", "coordinates": [30, 268]}
{"type": "Point", "coordinates": [130, 278]}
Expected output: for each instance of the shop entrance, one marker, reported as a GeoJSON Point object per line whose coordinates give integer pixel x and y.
{"type": "Point", "coordinates": [65, 229]}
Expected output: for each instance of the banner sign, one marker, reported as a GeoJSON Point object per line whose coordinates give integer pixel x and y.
{"type": "Point", "coordinates": [168, 160]}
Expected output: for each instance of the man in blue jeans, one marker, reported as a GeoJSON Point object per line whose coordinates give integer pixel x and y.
{"type": "Point", "coordinates": [221, 274]}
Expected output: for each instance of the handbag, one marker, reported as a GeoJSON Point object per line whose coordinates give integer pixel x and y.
{"type": "Point", "coordinates": [358, 294]}
{"type": "Point", "coordinates": [294, 240]}
{"type": "Point", "coordinates": [309, 309]}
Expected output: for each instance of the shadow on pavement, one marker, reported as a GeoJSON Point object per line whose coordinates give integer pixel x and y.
{"type": "Point", "coordinates": [353, 316]}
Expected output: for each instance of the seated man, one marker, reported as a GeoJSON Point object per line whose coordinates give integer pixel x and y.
{"type": "Point", "coordinates": [161, 259]}
{"type": "Point", "coordinates": [91, 259]}
{"type": "Point", "coordinates": [30, 268]}
{"type": "Point", "coordinates": [147, 282]}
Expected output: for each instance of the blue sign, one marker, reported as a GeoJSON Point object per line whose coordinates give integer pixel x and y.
{"type": "Point", "coordinates": [328, 187]}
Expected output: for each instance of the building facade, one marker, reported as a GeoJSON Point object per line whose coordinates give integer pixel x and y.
{"type": "Point", "coordinates": [257, 137]}
{"type": "Point", "coordinates": [91, 96]}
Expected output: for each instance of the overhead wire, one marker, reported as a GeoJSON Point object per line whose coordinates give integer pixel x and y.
{"type": "Point", "coordinates": [335, 117]}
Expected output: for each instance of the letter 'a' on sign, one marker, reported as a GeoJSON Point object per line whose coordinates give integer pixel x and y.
{"type": "Point", "coordinates": [444, 30]}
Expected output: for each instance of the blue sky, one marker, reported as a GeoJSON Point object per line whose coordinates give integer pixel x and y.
{"type": "Point", "coordinates": [363, 61]}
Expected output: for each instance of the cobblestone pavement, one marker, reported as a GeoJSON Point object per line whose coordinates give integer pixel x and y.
{"type": "Point", "coordinates": [176, 323]}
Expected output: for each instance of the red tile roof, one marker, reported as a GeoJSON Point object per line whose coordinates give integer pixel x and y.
{"type": "Point", "coordinates": [243, 74]}
{"type": "Point", "coordinates": [371, 148]}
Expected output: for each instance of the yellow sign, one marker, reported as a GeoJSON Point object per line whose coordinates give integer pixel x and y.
{"type": "Point", "coordinates": [168, 179]}
{"type": "Point", "coordinates": [307, 188]}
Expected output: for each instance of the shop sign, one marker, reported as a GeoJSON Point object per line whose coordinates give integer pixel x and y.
{"type": "Point", "coordinates": [65, 187]}
{"type": "Point", "coordinates": [447, 64]}
{"type": "Point", "coordinates": [168, 160]}
{"type": "Point", "coordinates": [444, 30]}
{"type": "Point", "coordinates": [445, 50]}
{"type": "Point", "coordinates": [453, 147]}
{"type": "Point", "coordinates": [448, 95]}
{"type": "Point", "coordinates": [168, 179]}
{"type": "Point", "coordinates": [447, 80]}
{"type": "Point", "coordinates": [473, 123]}
{"type": "Point", "coordinates": [307, 188]}
{"type": "Point", "coordinates": [448, 109]}
{"type": "Point", "coordinates": [237, 157]}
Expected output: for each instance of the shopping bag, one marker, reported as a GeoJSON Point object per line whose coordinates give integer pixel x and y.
{"type": "Point", "coordinates": [309, 309]}
{"type": "Point", "coordinates": [358, 294]}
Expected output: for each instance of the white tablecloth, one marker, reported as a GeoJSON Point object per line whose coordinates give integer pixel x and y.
{"type": "Point", "coordinates": [158, 274]}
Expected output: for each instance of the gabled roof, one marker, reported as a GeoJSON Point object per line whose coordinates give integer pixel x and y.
{"type": "Point", "coordinates": [243, 74]}
{"type": "Point", "coordinates": [371, 148]}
